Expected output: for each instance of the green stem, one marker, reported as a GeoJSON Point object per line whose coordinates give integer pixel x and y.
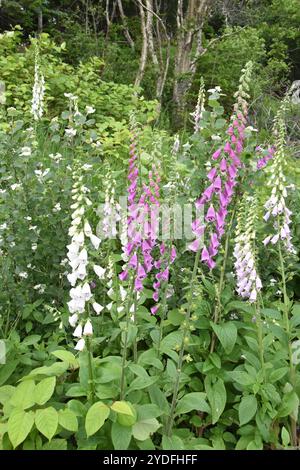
{"type": "Point", "coordinates": [294, 438]}
{"type": "Point", "coordinates": [260, 339]}
{"type": "Point", "coordinates": [124, 351]}
{"type": "Point", "coordinates": [220, 287]}
{"type": "Point", "coordinates": [163, 316]}
{"type": "Point", "coordinates": [90, 367]}
{"type": "Point", "coordinates": [182, 348]}
{"type": "Point", "coordinates": [135, 351]}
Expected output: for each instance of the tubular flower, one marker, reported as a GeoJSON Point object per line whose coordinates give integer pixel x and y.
{"type": "Point", "coordinates": [268, 155]}
{"type": "Point", "coordinates": [142, 222]}
{"type": "Point", "coordinates": [222, 178]}
{"type": "Point", "coordinates": [80, 231]}
{"type": "Point", "coordinates": [248, 280]}
{"type": "Point", "coordinates": [111, 209]}
{"type": "Point", "coordinates": [276, 209]}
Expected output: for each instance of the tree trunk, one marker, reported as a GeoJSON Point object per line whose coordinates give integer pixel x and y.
{"type": "Point", "coordinates": [40, 21]}
{"type": "Point", "coordinates": [125, 28]}
{"type": "Point", "coordinates": [189, 48]}
{"type": "Point", "coordinates": [144, 51]}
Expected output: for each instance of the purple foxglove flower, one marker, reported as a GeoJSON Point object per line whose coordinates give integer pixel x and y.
{"type": "Point", "coordinates": [211, 214]}
{"type": "Point", "coordinates": [217, 184]}
{"type": "Point", "coordinates": [216, 154]}
{"type": "Point", "coordinates": [154, 309]}
{"type": "Point", "coordinates": [205, 255]}
{"type": "Point", "coordinates": [211, 174]}
{"type": "Point", "coordinates": [223, 165]}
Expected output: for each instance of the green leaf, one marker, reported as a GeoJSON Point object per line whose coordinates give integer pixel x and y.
{"type": "Point", "coordinates": [19, 426]}
{"type": "Point", "coordinates": [121, 436]}
{"type": "Point", "coordinates": [6, 370]}
{"type": "Point", "coordinates": [23, 396]}
{"type": "Point", "coordinates": [6, 393]}
{"type": "Point", "coordinates": [76, 391]}
{"type": "Point", "coordinates": [143, 429]}
{"type": "Point", "coordinates": [216, 394]}
{"type": "Point", "coordinates": [56, 444]}
{"type": "Point", "coordinates": [122, 407]}
{"type": "Point", "coordinates": [192, 401]}
{"type": "Point", "coordinates": [148, 411]}
{"type": "Point", "coordinates": [141, 382]}
{"type": "Point", "coordinates": [44, 390]}
{"type": "Point", "coordinates": [57, 369]}
{"type": "Point", "coordinates": [247, 409]}
{"type": "Point", "coordinates": [289, 406]}
{"type": "Point", "coordinates": [68, 420]}
{"type": "Point", "coordinates": [278, 374]}
{"type": "Point", "coordinates": [66, 356]}
{"type": "Point", "coordinates": [285, 437]}
{"type": "Point", "coordinates": [227, 335]}
{"type": "Point", "coordinates": [95, 418]}
{"type": "Point", "coordinates": [172, 443]}
{"type": "Point", "coordinates": [241, 377]}
{"type": "Point", "coordinates": [32, 339]}
{"type": "Point", "coordinates": [46, 421]}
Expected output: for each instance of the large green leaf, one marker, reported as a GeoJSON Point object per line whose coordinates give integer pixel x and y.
{"type": "Point", "coordinates": [19, 426]}
{"type": "Point", "coordinates": [121, 436]}
{"type": "Point", "coordinates": [216, 394]}
{"type": "Point", "coordinates": [6, 370]}
{"type": "Point", "coordinates": [227, 335]}
{"type": "Point", "coordinates": [192, 401]}
{"type": "Point", "coordinates": [247, 409]}
{"type": "Point", "coordinates": [143, 429]}
{"type": "Point", "coordinates": [44, 390]}
{"type": "Point", "coordinates": [46, 421]}
{"type": "Point", "coordinates": [96, 417]}
{"type": "Point", "coordinates": [68, 420]}
{"type": "Point", "coordinates": [23, 396]}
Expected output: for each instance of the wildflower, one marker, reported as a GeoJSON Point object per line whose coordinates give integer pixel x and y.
{"type": "Point", "coordinates": [38, 89]}
{"type": "Point", "coordinates": [222, 178]}
{"type": "Point", "coordinates": [25, 152]}
{"type": "Point", "coordinates": [80, 231]}
{"type": "Point", "coordinates": [23, 275]}
{"type": "Point", "coordinates": [90, 110]}
{"type": "Point", "coordinates": [248, 281]}
{"type": "Point", "coordinates": [275, 206]}
{"type": "Point", "coordinates": [198, 113]}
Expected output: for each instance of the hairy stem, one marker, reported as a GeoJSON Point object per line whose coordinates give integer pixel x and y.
{"type": "Point", "coordinates": [288, 332]}
{"type": "Point", "coordinates": [90, 367]}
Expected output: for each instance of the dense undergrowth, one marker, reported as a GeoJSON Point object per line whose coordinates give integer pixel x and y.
{"type": "Point", "coordinates": [125, 334]}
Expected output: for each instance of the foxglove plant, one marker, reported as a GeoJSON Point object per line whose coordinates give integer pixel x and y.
{"type": "Point", "coordinates": [278, 211]}
{"type": "Point", "coordinates": [198, 112]}
{"type": "Point", "coordinates": [276, 208]}
{"type": "Point", "coordinates": [37, 106]}
{"type": "Point", "coordinates": [222, 178]}
{"type": "Point", "coordinates": [248, 281]}
{"type": "Point", "coordinates": [80, 293]}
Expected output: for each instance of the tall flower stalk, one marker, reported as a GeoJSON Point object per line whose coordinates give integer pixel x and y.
{"type": "Point", "coordinates": [37, 104]}
{"type": "Point", "coordinates": [278, 212]}
{"type": "Point", "coordinates": [222, 179]}
{"type": "Point", "coordinates": [248, 280]}
{"type": "Point", "coordinates": [81, 295]}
